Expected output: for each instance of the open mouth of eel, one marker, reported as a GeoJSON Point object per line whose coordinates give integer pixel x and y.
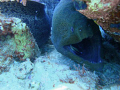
{"type": "Point", "coordinates": [86, 49]}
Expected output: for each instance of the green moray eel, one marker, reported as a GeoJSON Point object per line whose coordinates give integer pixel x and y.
{"type": "Point", "coordinates": [75, 36]}
{"type": "Point", "coordinates": [33, 14]}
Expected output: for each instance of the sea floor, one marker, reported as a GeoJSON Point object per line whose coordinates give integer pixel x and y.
{"type": "Point", "coordinates": [53, 71]}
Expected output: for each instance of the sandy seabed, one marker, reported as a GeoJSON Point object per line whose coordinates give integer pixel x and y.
{"type": "Point", "coordinates": [50, 71]}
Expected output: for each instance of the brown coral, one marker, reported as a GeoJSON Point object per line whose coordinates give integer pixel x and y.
{"type": "Point", "coordinates": [16, 40]}
{"type": "Point", "coordinates": [106, 13]}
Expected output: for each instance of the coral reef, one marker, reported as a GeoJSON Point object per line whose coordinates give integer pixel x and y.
{"type": "Point", "coordinates": [16, 41]}
{"type": "Point", "coordinates": [75, 36]}
{"type": "Point", "coordinates": [24, 40]}
{"type": "Point", "coordinates": [33, 14]}
{"type": "Point", "coordinates": [105, 13]}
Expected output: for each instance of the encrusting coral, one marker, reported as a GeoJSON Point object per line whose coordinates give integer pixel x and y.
{"type": "Point", "coordinates": [16, 41]}
{"type": "Point", "coordinates": [105, 13]}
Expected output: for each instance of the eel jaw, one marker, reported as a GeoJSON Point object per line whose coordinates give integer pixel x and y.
{"type": "Point", "coordinates": [86, 49]}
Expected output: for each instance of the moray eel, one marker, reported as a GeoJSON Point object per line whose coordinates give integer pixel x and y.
{"type": "Point", "coordinates": [33, 14]}
{"type": "Point", "coordinates": [75, 36]}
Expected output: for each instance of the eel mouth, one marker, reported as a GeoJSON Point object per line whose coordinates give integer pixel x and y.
{"type": "Point", "coordinates": [88, 49]}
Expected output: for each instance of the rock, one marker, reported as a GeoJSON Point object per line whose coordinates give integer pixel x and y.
{"type": "Point", "coordinates": [22, 70]}
{"type": "Point", "coordinates": [104, 13]}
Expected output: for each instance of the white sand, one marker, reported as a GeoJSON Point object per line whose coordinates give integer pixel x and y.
{"type": "Point", "coordinates": [51, 71]}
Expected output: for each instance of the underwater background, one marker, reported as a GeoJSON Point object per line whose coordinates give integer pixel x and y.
{"type": "Point", "coordinates": [59, 45]}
